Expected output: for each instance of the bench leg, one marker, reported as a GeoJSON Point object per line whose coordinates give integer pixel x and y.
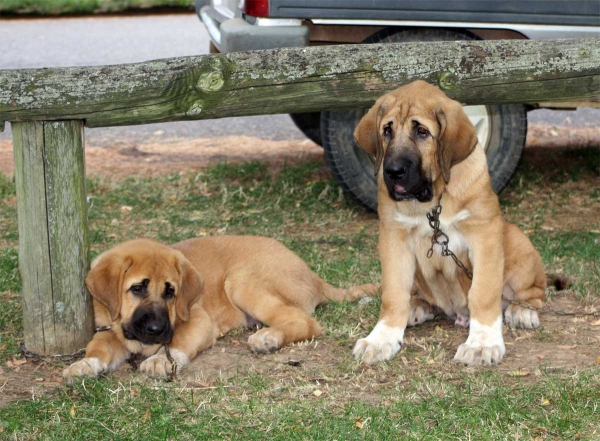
{"type": "Point", "coordinates": [53, 235]}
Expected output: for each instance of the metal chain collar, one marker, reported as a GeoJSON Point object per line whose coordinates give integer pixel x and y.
{"type": "Point", "coordinates": [440, 238]}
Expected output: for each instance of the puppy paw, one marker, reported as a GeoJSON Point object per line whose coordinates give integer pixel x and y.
{"type": "Point", "coordinates": [159, 365]}
{"type": "Point", "coordinates": [517, 316]}
{"type": "Point", "coordinates": [479, 355]}
{"type": "Point", "coordinates": [485, 345]}
{"type": "Point", "coordinates": [265, 341]}
{"type": "Point", "coordinates": [382, 344]}
{"type": "Point", "coordinates": [420, 314]}
{"type": "Point", "coordinates": [87, 367]}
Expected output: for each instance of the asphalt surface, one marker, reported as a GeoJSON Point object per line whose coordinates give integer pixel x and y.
{"type": "Point", "coordinates": [64, 42]}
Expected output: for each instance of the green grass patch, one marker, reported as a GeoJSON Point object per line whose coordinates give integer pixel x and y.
{"type": "Point", "coordinates": [64, 7]}
{"type": "Point", "coordinates": [461, 407]}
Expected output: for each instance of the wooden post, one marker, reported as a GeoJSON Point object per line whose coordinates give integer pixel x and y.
{"type": "Point", "coordinates": [53, 235]}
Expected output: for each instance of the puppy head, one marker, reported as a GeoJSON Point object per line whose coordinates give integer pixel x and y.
{"type": "Point", "coordinates": [416, 134]}
{"type": "Point", "coordinates": [145, 286]}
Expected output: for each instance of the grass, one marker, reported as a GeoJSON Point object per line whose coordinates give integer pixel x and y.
{"type": "Point", "coordinates": [449, 408]}
{"type": "Point", "coordinates": [65, 7]}
{"type": "Point", "coordinates": [418, 395]}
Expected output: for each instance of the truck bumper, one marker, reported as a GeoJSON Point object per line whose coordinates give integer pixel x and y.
{"type": "Point", "coordinates": [236, 34]}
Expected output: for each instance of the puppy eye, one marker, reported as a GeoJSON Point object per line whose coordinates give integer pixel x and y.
{"type": "Point", "coordinates": [422, 131]}
{"type": "Point", "coordinates": [387, 131]}
{"type": "Point", "coordinates": [137, 289]}
{"type": "Point", "coordinates": [169, 292]}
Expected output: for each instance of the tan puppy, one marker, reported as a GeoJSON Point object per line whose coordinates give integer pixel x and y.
{"type": "Point", "coordinates": [186, 296]}
{"type": "Point", "coordinates": [426, 149]}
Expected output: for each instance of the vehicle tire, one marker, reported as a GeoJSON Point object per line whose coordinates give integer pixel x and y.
{"type": "Point", "coordinates": [504, 128]}
{"type": "Point", "coordinates": [309, 124]}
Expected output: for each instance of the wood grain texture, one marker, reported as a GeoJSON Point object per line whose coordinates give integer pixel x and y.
{"type": "Point", "coordinates": [53, 235]}
{"type": "Point", "coordinates": [301, 80]}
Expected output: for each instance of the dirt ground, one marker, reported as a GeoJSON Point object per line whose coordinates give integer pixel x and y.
{"type": "Point", "coordinates": [171, 155]}
{"type": "Point", "coordinates": [566, 342]}
{"type": "Point", "coordinates": [570, 337]}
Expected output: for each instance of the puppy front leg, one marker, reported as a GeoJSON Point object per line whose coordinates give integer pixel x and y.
{"type": "Point", "coordinates": [104, 353]}
{"type": "Point", "coordinates": [398, 268]}
{"type": "Point", "coordinates": [189, 339]}
{"type": "Point", "coordinates": [485, 344]}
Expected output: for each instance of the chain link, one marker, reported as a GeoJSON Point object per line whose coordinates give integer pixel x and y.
{"type": "Point", "coordinates": [38, 358]}
{"type": "Point", "coordinates": [440, 238]}
{"type": "Point", "coordinates": [173, 363]}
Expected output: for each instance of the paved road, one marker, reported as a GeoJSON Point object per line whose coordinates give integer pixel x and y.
{"type": "Point", "coordinates": [115, 40]}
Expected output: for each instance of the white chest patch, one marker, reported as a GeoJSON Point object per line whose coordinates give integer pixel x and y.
{"type": "Point", "coordinates": [420, 224]}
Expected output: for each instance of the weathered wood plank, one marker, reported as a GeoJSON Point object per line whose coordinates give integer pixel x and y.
{"type": "Point", "coordinates": [301, 80]}
{"type": "Point", "coordinates": [53, 235]}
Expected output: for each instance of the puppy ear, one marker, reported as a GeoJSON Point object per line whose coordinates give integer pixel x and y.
{"type": "Point", "coordinates": [105, 281]}
{"type": "Point", "coordinates": [457, 137]}
{"type": "Point", "coordinates": [366, 134]}
{"type": "Point", "coordinates": [191, 287]}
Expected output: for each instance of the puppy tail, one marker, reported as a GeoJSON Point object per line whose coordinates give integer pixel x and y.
{"type": "Point", "coordinates": [558, 281]}
{"type": "Point", "coordinates": [331, 293]}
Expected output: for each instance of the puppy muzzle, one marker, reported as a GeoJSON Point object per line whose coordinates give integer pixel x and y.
{"type": "Point", "coordinates": [405, 181]}
{"type": "Point", "coordinates": [149, 326]}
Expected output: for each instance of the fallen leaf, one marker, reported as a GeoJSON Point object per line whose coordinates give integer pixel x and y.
{"type": "Point", "coordinates": [72, 411]}
{"type": "Point", "coordinates": [3, 347]}
{"type": "Point", "coordinates": [568, 347]}
{"type": "Point", "coordinates": [16, 362]}
{"type": "Point", "coordinates": [126, 209]}
{"type": "Point", "coordinates": [596, 323]}
{"type": "Point", "coordinates": [540, 356]}
{"type": "Point", "coordinates": [317, 393]}
{"type": "Point", "coordinates": [597, 360]}
{"type": "Point", "coordinates": [1, 429]}
{"type": "Point", "coordinates": [358, 425]}
{"type": "Point", "coordinates": [545, 402]}
{"type": "Point", "coordinates": [39, 379]}
{"type": "Point", "coordinates": [147, 415]}
{"type": "Point", "coordinates": [519, 373]}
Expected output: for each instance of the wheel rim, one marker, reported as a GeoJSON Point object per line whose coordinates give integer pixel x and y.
{"type": "Point", "coordinates": [481, 119]}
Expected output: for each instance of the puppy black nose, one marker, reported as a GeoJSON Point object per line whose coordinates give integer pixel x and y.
{"type": "Point", "coordinates": [395, 170]}
{"type": "Point", "coordinates": [155, 327]}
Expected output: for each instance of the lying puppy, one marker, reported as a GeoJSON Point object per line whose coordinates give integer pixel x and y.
{"type": "Point", "coordinates": [427, 156]}
{"type": "Point", "coordinates": [147, 295]}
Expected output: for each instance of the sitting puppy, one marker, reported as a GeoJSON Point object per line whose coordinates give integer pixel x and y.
{"type": "Point", "coordinates": [170, 303]}
{"type": "Point", "coordinates": [429, 166]}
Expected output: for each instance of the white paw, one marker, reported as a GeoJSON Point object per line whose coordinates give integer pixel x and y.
{"type": "Point", "coordinates": [87, 367]}
{"type": "Point", "coordinates": [159, 365]}
{"type": "Point", "coordinates": [420, 314]}
{"type": "Point", "coordinates": [265, 341]}
{"type": "Point", "coordinates": [485, 345]}
{"type": "Point", "coordinates": [516, 316]}
{"type": "Point", "coordinates": [380, 345]}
